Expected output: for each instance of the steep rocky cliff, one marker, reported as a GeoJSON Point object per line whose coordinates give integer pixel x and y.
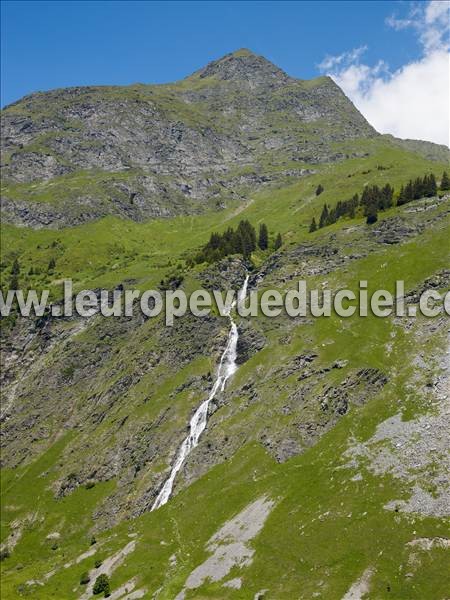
{"type": "Point", "coordinates": [145, 151]}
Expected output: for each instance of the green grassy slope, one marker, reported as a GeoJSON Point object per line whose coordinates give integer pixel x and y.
{"type": "Point", "coordinates": [107, 251]}
{"type": "Point", "coordinates": [327, 527]}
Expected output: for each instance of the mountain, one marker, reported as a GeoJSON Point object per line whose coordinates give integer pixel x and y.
{"type": "Point", "coordinates": [438, 152]}
{"type": "Point", "coordinates": [146, 151]}
{"type": "Point", "coordinates": [322, 469]}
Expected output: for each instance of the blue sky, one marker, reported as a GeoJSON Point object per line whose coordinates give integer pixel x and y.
{"type": "Point", "coordinates": [55, 44]}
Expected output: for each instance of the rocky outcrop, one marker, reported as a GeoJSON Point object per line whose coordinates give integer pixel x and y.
{"type": "Point", "coordinates": [228, 273]}
{"type": "Point", "coordinates": [249, 343]}
{"type": "Point", "coordinates": [145, 151]}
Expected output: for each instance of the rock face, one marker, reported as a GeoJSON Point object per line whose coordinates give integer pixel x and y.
{"type": "Point", "coordinates": [246, 67]}
{"type": "Point", "coordinates": [143, 151]}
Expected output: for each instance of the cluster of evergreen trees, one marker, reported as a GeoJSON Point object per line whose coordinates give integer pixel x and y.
{"type": "Point", "coordinates": [243, 240]}
{"type": "Point", "coordinates": [421, 187]}
{"type": "Point", "coordinates": [374, 199]}
{"type": "Point", "coordinates": [102, 586]}
{"type": "Point", "coordinates": [445, 182]}
{"type": "Point", "coordinates": [331, 215]}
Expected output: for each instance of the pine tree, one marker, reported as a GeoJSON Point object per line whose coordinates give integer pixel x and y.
{"type": "Point", "coordinates": [353, 205]}
{"type": "Point", "coordinates": [432, 186]}
{"type": "Point", "coordinates": [246, 249]}
{"type": "Point", "coordinates": [323, 217]}
{"type": "Point", "coordinates": [14, 282]}
{"type": "Point", "coordinates": [408, 193]}
{"type": "Point", "coordinates": [419, 187]}
{"type": "Point", "coordinates": [15, 272]}
{"type": "Point", "coordinates": [377, 196]}
{"type": "Point", "coordinates": [371, 206]}
{"type": "Point", "coordinates": [51, 265]}
{"type": "Point", "coordinates": [387, 194]}
{"type": "Point", "coordinates": [247, 238]}
{"type": "Point", "coordinates": [15, 269]}
{"type": "Point", "coordinates": [242, 241]}
{"type": "Point", "coordinates": [371, 214]}
{"type": "Point", "coordinates": [263, 238]}
{"type": "Point", "coordinates": [313, 226]}
{"type": "Point", "coordinates": [445, 181]}
{"type": "Point", "coordinates": [246, 229]}
{"type": "Point", "coordinates": [319, 189]}
{"type": "Point", "coordinates": [252, 234]}
{"type": "Point", "coordinates": [278, 242]}
{"type": "Point", "coordinates": [215, 241]}
{"type": "Point", "coordinates": [365, 196]}
{"type": "Point", "coordinates": [332, 217]}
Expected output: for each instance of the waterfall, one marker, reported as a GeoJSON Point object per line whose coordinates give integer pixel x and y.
{"type": "Point", "coordinates": [227, 366]}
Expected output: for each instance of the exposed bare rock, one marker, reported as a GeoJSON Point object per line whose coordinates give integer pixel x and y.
{"type": "Point", "coordinates": [145, 151]}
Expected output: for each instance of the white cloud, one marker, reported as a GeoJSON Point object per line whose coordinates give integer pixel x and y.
{"type": "Point", "coordinates": [331, 62]}
{"type": "Point", "coordinates": [413, 101]}
{"type": "Point", "coordinates": [435, 27]}
{"type": "Point", "coordinates": [430, 20]}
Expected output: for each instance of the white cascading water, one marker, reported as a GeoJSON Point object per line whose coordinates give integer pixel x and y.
{"type": "Point", "coordinates": [227, 367]}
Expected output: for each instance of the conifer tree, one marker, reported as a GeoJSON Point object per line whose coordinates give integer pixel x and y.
{"type": "Point", "coordinates": [401, 196]}
{"type": "Point", "coordinates": [263, 238]}
{"type": "Point", "coordinates": [353, 204]}
{"type": "Point", "coordinates": [278, 242]}
{"type": "Point", "coordinates": [15, 269]}
{"type": "Point", "coordinates": [371, 214]}
{"type": "Point", "coordinates": [323, 217]}
{"type": "Point", "coordinates": [419, 187]}
{"type": "Point", "coordinates": [408, 193]}
{"type": "Point", "coordinates": [332, 217]}
{"type": "Point", "coordinates": [15, 272]}
{"type": "Point", "coordinates": [319, 189]}
{"type": "Point", "coordinates": [313, 226]}
{"type": "Point", "coordinates": [102, 585]}
{"type": "Point", "coordinates": [387, 194]}
{"type": "Point", "coordinates": [445, 181]}
{"type": "Point", "coordinates": [432, 186]}
{"type": "Point", "coordinates": [247, 238]}
{"type": "Point", "coordinates": [214, 241]}
{"type": "Point", "coordinates": [242, 241]}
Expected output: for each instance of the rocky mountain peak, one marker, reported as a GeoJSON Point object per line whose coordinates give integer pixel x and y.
{"type": "Point", "coordinates": [244, 65]}
{"type": "Point", "coordinates": [165, 148]}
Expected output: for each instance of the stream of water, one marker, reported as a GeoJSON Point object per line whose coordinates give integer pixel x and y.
{"type": "Point", "coordinates": [227, 366]}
